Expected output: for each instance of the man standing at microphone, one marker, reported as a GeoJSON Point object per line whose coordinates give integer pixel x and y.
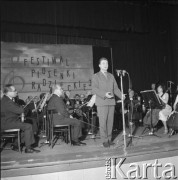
{"type": "Point", "coordinates": [105, 87]}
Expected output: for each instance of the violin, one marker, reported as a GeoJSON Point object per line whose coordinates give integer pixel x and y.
{"type": "Point", "coordinates": [22, 116]}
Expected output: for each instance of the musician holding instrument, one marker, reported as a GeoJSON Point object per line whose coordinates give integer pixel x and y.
{"type": "Point", "coordinates": [62, 117]}
{"type": "Point", "coordinates": [153, 86]}
{"type": "Point", "coordinates": [10, 119]}
{"type": "Point", "coordinates": [166, 110]}
{"type": "Point", "coordinates": [19, 101]}
{"type": "Point", "coordinates": [77, 101]}
{"type": "Point", "coordinates": [67, 98]}
{"type": "Point", "coordinates": [31, 114]}
{"type": "Point", "coordinates": [176, 104]}
{"type": "Point", "coordinates": [78, 114]}
{"type": "Point", "coordinates": [173, 119]}
{"type": "Point", "coordinates": [132, 107]}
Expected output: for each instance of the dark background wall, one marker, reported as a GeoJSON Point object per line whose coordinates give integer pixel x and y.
{"type": "Point", "coordinates": [143, 35]}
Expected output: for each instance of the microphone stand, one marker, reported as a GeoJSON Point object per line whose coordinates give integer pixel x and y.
{"type": "Point", "coordinates": [120, 73]}
{"type": "Point", "coordinates": [131, 136]}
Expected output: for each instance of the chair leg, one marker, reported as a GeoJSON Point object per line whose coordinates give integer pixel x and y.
{"type": "Point", "coordinates": [66, 136]}
{"type": "Point", "coordinates": [4, 144]}
{"type": "Point", "coordinates": [69, 135]}
{"type": "Point", "coordinates": [19, 141]}
{"type": "Point", "coordinates": [51, 138]}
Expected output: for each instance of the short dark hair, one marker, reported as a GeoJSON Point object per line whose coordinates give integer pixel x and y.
{"type": "Point", "coordinates": [76, 95]}
{"type": "Point", "coordinates": [162, 86]}
{"type": "Point", "coordinates": [101, 59]}
{"type": "Point", "coordinates": [7, 88]}
{"type": "Point", "coordinates": [42, 95]}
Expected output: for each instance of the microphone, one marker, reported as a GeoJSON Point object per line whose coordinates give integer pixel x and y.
{"type": "Point", "coordinates": [122, 72]}
{"type": "Point", "coordinates": [170, 82]}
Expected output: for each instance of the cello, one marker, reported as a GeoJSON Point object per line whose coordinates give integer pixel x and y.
{"type": "Point", "coordinates": [173, 118]}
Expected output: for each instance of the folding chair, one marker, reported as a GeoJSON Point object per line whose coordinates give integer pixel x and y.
{"type": "Point", "coordinates": [55, 131]}
{"type": "Point", "coordinates": [10, 133]}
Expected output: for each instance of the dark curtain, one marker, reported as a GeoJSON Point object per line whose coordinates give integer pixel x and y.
{"type": "Point", "coordinates": [143, 36]}
{"type": "Point", "coordinates": [145, 60]}
{"type": "Point", "coordinates": [92, 15]}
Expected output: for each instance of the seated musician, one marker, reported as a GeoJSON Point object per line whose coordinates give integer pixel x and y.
{"type": "Point", "coordinates": [76, 108]}
{"type": "Point", "coordinates": [173, 118]}
{"type": "Point", "coordinates": [69, 103]}
{"type": "Point", "coordinates": [29, 98]}
{"type": "Point", "coordinates": [132, 106]}
{"type": "Point", "coordinates": [62, 116]}
{"type": "Point", "coordinates": [91, 112]}
{"type": "Point", "coordinates": [41, 111]}
{"type": "Point", "coordinates": [77, 101]}
{"type": "Point", "coordinates": [10, 119]}
{"type": "Point", "coordinates": [31, 114]}
{"type": "Point", "coordinates": [88, 97]}
{"type": "Point", "coordinates": [166, 111]}
{"type": "Point", "coordinates": [175, 106]}
{"type": "Point", "coordinates": [19, 101]}
{"type": "Point", "coordinates": [153, 86]}
{"type": "Point", "coordinates": [87, 115]}
{"type": "Point", "coordinates": [82, 98]}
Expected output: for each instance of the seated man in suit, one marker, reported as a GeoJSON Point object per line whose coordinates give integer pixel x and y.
{"type": "Point", "coordinates": [31, 114]}
{"type": "Point", "coordinates": [132, 106]}
{"type": "Point", "coordinates": [62, 116]}
{"type": "Point", "coordinates": [10, 113]}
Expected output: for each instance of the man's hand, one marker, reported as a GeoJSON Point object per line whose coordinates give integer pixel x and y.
{"type": "Point", "coordinates": [33, 110]}
{"type": "Point", "coordinates": [123, 96]}
{"type": "Point", "coordinates": [109, 95]}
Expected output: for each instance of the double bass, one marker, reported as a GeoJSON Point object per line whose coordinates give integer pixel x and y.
{"type": "Point", "coordinates": [173, 119]}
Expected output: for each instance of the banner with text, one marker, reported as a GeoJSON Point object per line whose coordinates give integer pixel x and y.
{"type": "Point", "coordinates": [34, 68]}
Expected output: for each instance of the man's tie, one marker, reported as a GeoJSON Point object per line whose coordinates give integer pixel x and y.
{"type": "Point", "coordinates": [105, 74]}
{"type": "Point", "coordinates": [35, 105]}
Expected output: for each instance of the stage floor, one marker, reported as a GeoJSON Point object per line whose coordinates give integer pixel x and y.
{"type": "Point", "coordinates": [69, 157]}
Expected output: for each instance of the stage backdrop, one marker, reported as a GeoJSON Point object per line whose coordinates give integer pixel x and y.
{"type": "Point", "coordinates": [34, 68]}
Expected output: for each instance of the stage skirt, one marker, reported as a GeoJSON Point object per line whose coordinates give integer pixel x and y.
{"type": "Point", "coordinates": [164, 113]}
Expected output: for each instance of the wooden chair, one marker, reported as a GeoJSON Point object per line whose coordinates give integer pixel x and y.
{"type": "Point", "coordinates": [55, 131]}
{"type": "Point", "coordinates": [10, 133]}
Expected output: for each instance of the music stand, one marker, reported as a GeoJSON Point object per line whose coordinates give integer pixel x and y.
{"type": "Point", "coordinates": [151, 101]}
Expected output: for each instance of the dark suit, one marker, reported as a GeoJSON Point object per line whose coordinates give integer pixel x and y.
{"type": "Point", "coordinates": [32, 117]}
{"type": "Point", "coordinates": [105, 106]}
{"type": "Point", "coordinates": [10, 113]}
{"type": "Point", "coordinates": [134, 112]}
{"type": "Point", "coordinates": [61, 116]}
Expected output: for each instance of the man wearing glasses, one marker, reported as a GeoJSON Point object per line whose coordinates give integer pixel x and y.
{"type": "Point", "coordinates": [10, 119]}
{"type": "Point", "coordinates": [62, 116]}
